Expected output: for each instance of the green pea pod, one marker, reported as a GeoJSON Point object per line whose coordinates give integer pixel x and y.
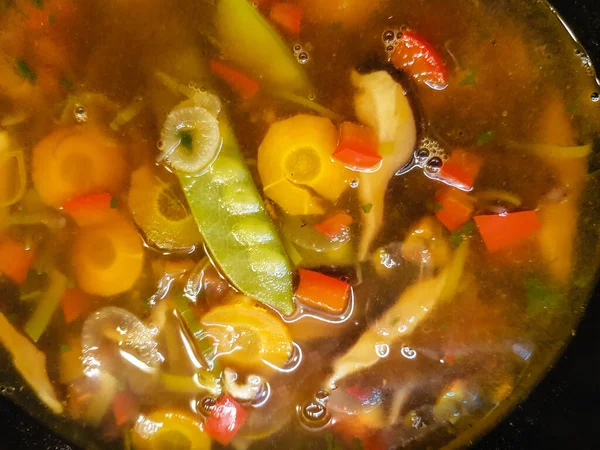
{"type": "Point", "coordinates": [236, 227]}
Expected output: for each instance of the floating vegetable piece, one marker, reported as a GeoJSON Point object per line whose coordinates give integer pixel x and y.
{"type": "Point", "coordinates": [239, 82]}
{"type": "Point", "coordinates": [108, 258]}
{"type": "Point", "coordinates": [336, 227]}
{"type": "Point", "coordinates": [453, 208]}
{"type": "Point", "coordinates": [30, 362]}
{"type": "Point", "coordinates": [401, 320]}
{"type": "Point", "coordinates": [190, 139]}
{"type": "Point", "coordinates": [426, 244]}
{"type": "Point", "coordinates": [169, 429]}
{"type": "Point", "coordinates": [502, 231]}
{"type": "Point", "coordinates": [288, 16]}
{"type": "Point", "coordinates": [226, 420]}
{"type": "Point", "coordinates": [358, 147]}
{"type": "Point", "coordinates": [76, 161]}
{"type": "Point", "coordinates": [244, 392]}
{"type": "Point", "coordinates": [296, 155]}
{"type": "Point", "coordinates": [161, 211]}
{"type": "Point", "coordinates": [235, 225]}
{"type": "Point", "coordinates": [417, 57]}
{"type": "Point", "coordinates": [13, 179]}
{"type": "Point", "coordinates": [91, 209]}
{"type": "Point", "coordinates": [381, 103]}
{"type": "Point", "coordinates": [323, 292]}
{"type": "Point", "coordinates": [248, 336]}
{"type": "Point", "coordinates": [75, 302]}
{"type": "Point", "coordinates": [47, 306]}
{"type": "Point", "coordinates": [250, 42]}
{"type": "Point", "coordinates": [15, 259]}
{"type": "Point", "coordinates": [461, 170]}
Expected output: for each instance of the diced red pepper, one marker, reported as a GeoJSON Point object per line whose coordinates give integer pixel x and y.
{"type": "Point", "coordinates": [288, 16]}
{"type": "Point", "coordinates": [461, 170]}
{"type": "Point", "coordinates": [502, 231]}
{"type": "Point", "coordinates": [416, 56]}
{"type": "Point", "coordinates": [15, 259]}
{"type": "Point", "coordinates": [453, 208]}
{"type": "Point", "coordinates": [75, 302]}
{"type": "Point", "coordinates": [358, 147]}
{"type": "Point", "coordinates": [335, 226]}
{"type": "Point", "coordinates": [125, 408]}
{"type": "Point", "coordinates": [226, 420]}
{"type": "Point", "coordinates": [322, 291]}
{"type": "Point", "coordinates": [91, 209]}
{"type": "Point", "coordinates": [236, 80]}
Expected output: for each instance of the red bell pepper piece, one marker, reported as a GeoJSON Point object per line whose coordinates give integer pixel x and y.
{"type": "Point", "coordinates": [226, 420]}
{"type": "Point", "coordinates": [237, 81]}
{"type": "Point", "coordinates": [322, 291]}
{"type": "Point", "coordinates": [75, 302]}
{"type": "Point", "coordinates": [358, 147]}
{"type": "Point", "coordinates": [502, 231]}
{"type": "Point", "coordinates": [288, 16]}
{"type": "Point", "coordinates": [417, 57]}
{"type": "Point", "coordinates": [454, 208]}
{"type": "Point", "coordinates": [461, 170]}
{"type": "Point", "coordinates": [335, 226]}
{"type": "Point", "coordinates": [125, 408]}
{"type": "Point", "coordinates": [91, 209]}
{"type": "Point", "coordinates": [15, 260]}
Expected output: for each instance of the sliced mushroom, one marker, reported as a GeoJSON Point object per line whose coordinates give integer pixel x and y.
{"type": "Point", "coordinates": [243, 392]}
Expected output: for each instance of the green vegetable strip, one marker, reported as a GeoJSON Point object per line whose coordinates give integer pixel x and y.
{"type": "Point", "coordinates": [39, 321]}
{"type": "Point", "coordinates": [204, 342]}
{"type": "Point", "coordinates": [237, 229]}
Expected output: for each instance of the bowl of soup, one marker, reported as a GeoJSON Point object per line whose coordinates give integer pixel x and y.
{"type": "Point", "coordinates": [250, 225]}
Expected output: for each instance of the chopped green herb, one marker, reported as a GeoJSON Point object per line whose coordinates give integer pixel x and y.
{"type": "Point", "coordinates": [470, 79]}
{"type": "Point", "coordinates": [114, 203]}
{"type": "Point", "coordinates": [434, 207]}
{"type": "Point", "coordinates": [25, 71]}
{"type": "Point", "coordinates": [486, 138]}
{"type": "Point", "coordinates": [51, 19]}
{"type": "Point", "coordinates": [540, 296]}
{"type": "Point", "coordinates": [65, 83]}
{"type": "Point", "coordinates": [367, 208]}
{"type": "Point", "coordinates": [39, 4]}
{"type": "Point", "coordinates": [64, 348]}
{"type": "Point", "coordinates": [457, 237]}
{"type": "Point", "coordinates": [186, 140]}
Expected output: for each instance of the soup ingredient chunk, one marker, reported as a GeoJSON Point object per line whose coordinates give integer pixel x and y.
{"type": "Point", "coordinates": [323, 292]}
{"type": "Point", "coordinates": [46, 306]}
{"type": "Point", "coordinates": [426, 244]}
{"type": "Point", "coordinates": [294, 159]}
{"type": "Point", "coordinates": [453, 208]}
{"type": "Point", "coordinates": [75, 161]}
{"type": "Point", "coordinates": [159, 211]}
{"type": "Point", "coordinates": [92, 209]}
{"type": "Point", "coordinates": [381, 103]}
{"type": "Point", "coordinates": [15, 259]}
{"type": "Point", "coordinates": [416, 56]}
{"type": "Point", "coordinates": [502, 231]}
{"type": "Point", "coordinates": [171, 429]}
{"type": "Point", "coordinates": [249, 41]}
{"type": "Point", "coordinates": [13, 177]}
{"type": "Point", "coordinates": [108, 258]}
{"type": "Point", "coordinates": [358, 148]}
{"type": "Point", "coordinates": [190, 139]}
{"type": "Point", "coordinates": [226, 420]}
{"type": "Point", "coordinates": [30, 362]}
{"type": "Point", "coordinates": [248, 336]}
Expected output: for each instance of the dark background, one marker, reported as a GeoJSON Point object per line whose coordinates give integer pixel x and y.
{"type": "Point", "coordinates": [562, 412]}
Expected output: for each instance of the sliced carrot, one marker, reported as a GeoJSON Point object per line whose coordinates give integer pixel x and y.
{"type": "Point", "coordinates": [15, 259]}
{"type": "Point", "coordinates": [335, 226]}
{"type": "Point", "coordinates": [454, 208]}
{"type": "Point", "coordinates": [502, 231]}
{"type": "Point", "coordinates": [75, 303]}
{"type": "Point", "coordinates": [239, 82]}
{"type": "Point", "coordinates": [358, 147]}
{"type": "Point", "coordinates": [322, 291]}
{"type": "Point", "coordinates": [124, 407]}
{"type": "Point", "coordinates": [288, 16]}
{"type": "Point", "coordinates": [91, 209]}
{"type": "Point", "coordinates": [461, 169]}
